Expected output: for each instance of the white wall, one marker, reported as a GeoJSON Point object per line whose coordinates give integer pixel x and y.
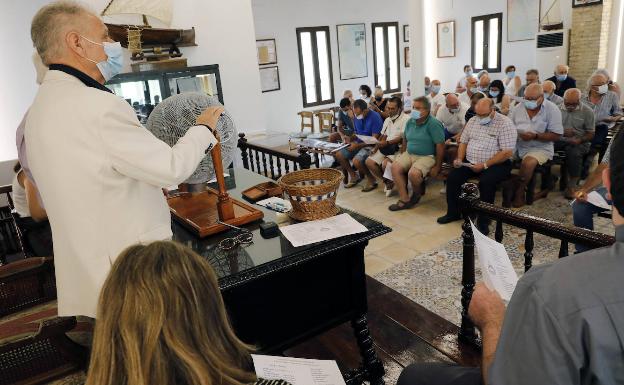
{"type": "Point", "coordinates": [449, 70]}
{"type": "Point", "coordinates": [224, 34]}
{"type": "Point", "coordinates": [278, 19]}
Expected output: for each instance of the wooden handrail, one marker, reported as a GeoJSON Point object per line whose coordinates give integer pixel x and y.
{"type": "Point", "coordinates": [268, 159]}
{"type": "Point", "coordinates": [471, 206]}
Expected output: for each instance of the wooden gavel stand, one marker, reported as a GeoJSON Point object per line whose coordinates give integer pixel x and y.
{"type": "Point", "coordinates": [225, 207]}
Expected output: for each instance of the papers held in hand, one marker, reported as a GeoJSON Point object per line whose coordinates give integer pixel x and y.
{"type": "Point", "coordinates": [297, 371]}
{"type": "Point", "coordinates": [496, 269]}
{"type": "Point", "coordinates": [369, 140]}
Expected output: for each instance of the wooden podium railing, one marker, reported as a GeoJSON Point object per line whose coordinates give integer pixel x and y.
{"type": "Point", "coordinates": [471, 205]}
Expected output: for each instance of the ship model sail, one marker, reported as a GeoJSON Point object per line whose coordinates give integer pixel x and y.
{"type": "Point", "coordinates": [144, 41]}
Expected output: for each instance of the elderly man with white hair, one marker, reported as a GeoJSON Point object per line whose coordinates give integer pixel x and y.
{"type": "Point", "coordinates": [100, 173]}
{"type": "Point", "coordinates": [538, 122]}
{"type": "Point", "coordinates": [578, 131]}
{"type": "Point", "coordinates": [562, 79]}
{"type": "Point", "coordinates": [549, 93]}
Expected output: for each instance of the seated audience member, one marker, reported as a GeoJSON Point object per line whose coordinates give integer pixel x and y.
{"type": "Point", "coordinates": [549, 93]}
{"type": "Point", "coordinates": [422, 152]}
{"type": "Point", "coordinates": [389, 142]}
{"type": "Point", "coordinates": [538, 122]}
{"type": "Point", "coordinates": [344, 120]}
{"type": "Point", "coordinates": [583, 211]}
{"type": "Point", "coordinates": [512, 81]}
{"type": "Point", "coordinates": [462, 85]}
{"type": "Point", "coordinates": [365, 93]}
{"type": "Point", "coordinates": [407, 99]}
{"type": "Point", "coordinates": [532, 77]}
{"type": "Point", "coordinates": [606, 107]}
{"type": "Point", "coordinates": [349, 95]}
{"type": "Point", "coordinates": [563, 324]}
{"type": "Point", "coordinates": [436, 98]}
{"type": "Point", "coordinates": [482, 73]}
{"type": "Point", "coordinates": [473, 102]}
{"type": "Point", "coordinates": [562, 80]}
{"type": "Point", "coordinates": [471, 89]}
{"type": "Point", "coordinates": [502, 101]}
{"type": "Point", "coordinates": [578, 131]}
{"type": "Point", "coordinates": [484, 83]}
{"type": "Point", "coordinates": [31, 216]}
{"type": "Point", "coordinates": [613, 86]}
{"type": "Point", "coordinates": [367, 123]}
{"type": "Point", "coordinates": [487, 143]}
{"type": "Point", "coordinates": [161, 320]}
{"type": "Point", "coordinates": [378, 103]}
{"type": "Point", "coordinates": [427, 85]}
{"type": "Point", "coordinates": [452, 115]}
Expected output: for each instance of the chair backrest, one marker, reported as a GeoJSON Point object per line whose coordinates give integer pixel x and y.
{"type": "Point", "coordinates": [326, 120]}
{"type": "Point", "coordinates": [270, 162]}
{"type": "Point", "coordinates": [307, 120]}
{"type": "Point", "coordinates": [471, 206]}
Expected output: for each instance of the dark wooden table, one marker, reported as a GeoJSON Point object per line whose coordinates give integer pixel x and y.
{"type": "Point", "coordinates": [278, 295]}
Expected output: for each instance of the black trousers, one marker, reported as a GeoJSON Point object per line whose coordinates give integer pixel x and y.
{"type": "Point", "coordinates": [439, 374]}
{"type": "Point", "coordinates": [488, 180]}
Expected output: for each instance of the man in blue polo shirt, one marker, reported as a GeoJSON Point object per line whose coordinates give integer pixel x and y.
{"type": "Point", "coordinates": [369, 123]}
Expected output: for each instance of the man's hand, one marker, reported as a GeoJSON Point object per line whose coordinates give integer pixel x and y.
{"type": "Point", "coordinates": [568, 132]}
{"type": "Point", "coordinates": [486, 308]}
{"type": "Point", "coordinates": [526, 136]}
{"type": "Point", "coordinates": [457, 163]}
{"type": "Point", "coordinates": [581, 195]}
{"type": "Point", "coordinates": [210, 116]}
{"type": "Point", "coordinates": [435, 171]}
{"type": "Point", "coordinates": [382, 143]}
{"type": "Point", "coordinates": [353, 147]}
{"type": "Point", "coordinates": [477, 167]}
{"type": "Point", "coordinates": [575, 141]}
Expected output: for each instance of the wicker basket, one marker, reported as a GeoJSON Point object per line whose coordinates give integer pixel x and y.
{"type": "Point", "coordinates": [312, 193]}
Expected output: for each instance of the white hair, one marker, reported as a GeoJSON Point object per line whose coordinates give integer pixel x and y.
{"type": "Point", "coordinates": [570, 91]}
{"type": "Point", "coordinates": [603, 72]}
{"type": "Point", "coordinates": [51, 23]}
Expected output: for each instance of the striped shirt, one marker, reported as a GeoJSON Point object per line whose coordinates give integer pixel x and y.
{"type": "Point", "coordinates": [484, 141]}
{"type": "Point", "coordinates": [609, 105]}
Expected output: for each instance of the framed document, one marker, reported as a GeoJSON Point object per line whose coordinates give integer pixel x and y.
{"type": "Point", "coordinates": [585, 3]}
{"type": "Point", "coordinates": [446, 39]}
{"type": "Point", "coordinates": [269, 79]}
{"type": "Point", "coordinates": [522, 19]}
{"type": "Point", "coordinates": [406, 57]}
{"type": "Point", "coordinates": [352, 55]}
{"type": "Point", "coordinates": [267, 51]}
{"type": "Point", "coordinates": [406, 34]}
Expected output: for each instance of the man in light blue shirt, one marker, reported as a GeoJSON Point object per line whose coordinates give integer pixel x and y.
{"type": "Point", "coordinates": [538, 122]}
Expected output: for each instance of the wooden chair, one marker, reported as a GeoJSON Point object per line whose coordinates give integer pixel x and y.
{"type": "Point", "coordinates": [307, 120]}
{"type": "Point", "coordinates": [472, 206]}
{"type": "Point", "coordinates": [325, 120]}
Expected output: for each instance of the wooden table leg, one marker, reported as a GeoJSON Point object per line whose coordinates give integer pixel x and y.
{"type": "Point", "coordinates": [372, 369]}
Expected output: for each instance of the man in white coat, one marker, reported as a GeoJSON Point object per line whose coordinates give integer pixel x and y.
{"type": "Point", "coordinates": [99, 171]}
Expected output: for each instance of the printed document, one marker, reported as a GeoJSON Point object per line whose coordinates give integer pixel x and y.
{"type": "Point", "coordinates": [368, 139]}
{"type": "Point", "coordinates": [597, 200]}
{"type": "Point", "coordinates": [498, 273]}
{"type": "Point", "coordinates": [297, 371]}
{"type": "Point", "coordinates": [305, 233]}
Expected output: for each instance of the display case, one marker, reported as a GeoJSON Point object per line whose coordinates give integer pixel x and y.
{"type": "Point", "coordinates": [144, 90]}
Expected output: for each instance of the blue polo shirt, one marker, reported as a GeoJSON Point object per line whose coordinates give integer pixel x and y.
{"type": "Point", "coordinates": [370, 125]}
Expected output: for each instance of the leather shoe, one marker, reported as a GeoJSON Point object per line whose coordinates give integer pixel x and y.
{"type": "Point", "coordinates": [448, 219]}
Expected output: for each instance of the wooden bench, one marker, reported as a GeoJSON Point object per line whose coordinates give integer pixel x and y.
{"type": "Point", "coordinates": [471, 206]}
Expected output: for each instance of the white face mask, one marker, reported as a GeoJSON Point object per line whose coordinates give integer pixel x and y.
{"type": "Point", "coordinates": [603, 89]}
{"type": "Point", "coordinates": [360, 117]}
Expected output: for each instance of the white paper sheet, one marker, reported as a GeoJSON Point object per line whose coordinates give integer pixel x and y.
{"type": "Point", "coordinates": [368, 139]}
{"type": "Point", "coordinates": [213, 180]}
{"type": "Point", "coordinates": [297, 371]}
{"type": "Point", "coordinates": [388, 172]}
{"type": "Point", "coordinates": [597, 200]}
{"type": "Point", "coordinates": [305, 233]}
{"type": "Point", "coordinates": [498, 273]}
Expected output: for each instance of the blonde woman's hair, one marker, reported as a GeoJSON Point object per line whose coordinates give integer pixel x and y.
{"type": "Point", "coordinates": [161, 320]}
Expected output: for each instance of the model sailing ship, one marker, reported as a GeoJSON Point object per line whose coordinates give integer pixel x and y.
{"type": "Point", "coordinates": [144, 41]}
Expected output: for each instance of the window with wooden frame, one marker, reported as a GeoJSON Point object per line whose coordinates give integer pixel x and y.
{"type": "Point", "coordinates": [487, 34]}
{"type": "Point", "coordinates": [315, 67]}
{"type": "Point", "coordinates": [386, 56]}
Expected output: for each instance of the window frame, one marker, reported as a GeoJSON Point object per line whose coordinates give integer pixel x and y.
{"type": "Point", "coordinates": [486, 34]}
{"type": "Point", "coordinates": [387, 56]}
{"type": "Point", "coordinates": [315, 59]}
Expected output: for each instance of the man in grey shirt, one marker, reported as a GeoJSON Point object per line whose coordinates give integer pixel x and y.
{"type": "Point", "coordinates": [564, 323]}
{"type": "Point", "coordinates": [578, 131]}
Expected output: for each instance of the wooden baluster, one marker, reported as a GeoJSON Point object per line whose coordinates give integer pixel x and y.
{"type": "Point", "coordinates": [251, 163]}
{"type": "Point", "coordinates": [272, 168]}
{"type": "Point", "coordinates": [242, 144]}
{"type": "Point", "coordinates": [528, 250]}
{"type": "Point", "coordinates": [563, 250]}
{"type": "Point", "coordinates": [286, 166]}
{"type": "Point", "coordinates": [317, 160]}
{"type": "Point", "coordinates": [295, 164]}
{"type": "Point", "coordinates": [498, 234]}
{"type": "Point", "coordinates": [264, 163]}
{"type": "Point", "coordinates": [259, 171]}
{"type": "Point", "coordinates": [467, 330]}
{"type": "Point", "coordinates": [279, 168]}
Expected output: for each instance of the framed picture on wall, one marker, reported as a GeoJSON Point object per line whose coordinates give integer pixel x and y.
{"type": "Point", "coordinates": [406, 35]}
{"type": "Point", "coordinates": [585, 3]}
{"type": "Point", "coordinates": [522, 19]}
{"type": "Point", "coordinates": [446, 39]}
{"type": "Point", "coordinates": [267, 51]}
{"type": "Point", "coordinates": [406, 57]}
{"type": "Point", "coordinates": [269, 79]}
{"type": "Point", "coordinates": [352, 55]}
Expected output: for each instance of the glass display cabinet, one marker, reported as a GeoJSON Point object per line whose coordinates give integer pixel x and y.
{"type": "Point", "coordinates": [144, 90]}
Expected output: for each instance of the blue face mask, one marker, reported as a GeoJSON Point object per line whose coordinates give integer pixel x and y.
{"type": "Point", "coordinates": [485, 121]}
{"type": "Point", "coordinates": [474, 90]}
{"type": "Point", "coordinates": [435, 89]}
{"type": "Point", "coordinates": [415, 114]}
{"type": "Point", "coordinates": [511, 74]}
{"type": "Point", "coordinates": [530, 104]}
{"type": "Point", "coordinates": [468, 73]}
{"type": "Point", "coordinates": [562, 78]}
{"type": "Point", "coordinates": [112, 66]}
{"type": "Point", "coordinates": [494, 94]}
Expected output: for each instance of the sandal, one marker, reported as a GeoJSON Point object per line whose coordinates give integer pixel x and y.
{"type": "Point", "coordinates": [353, 183]}
{"type": "Point", "coordinates": [369, 187]}
{"type": "Point", "coordinates": [400, 205]}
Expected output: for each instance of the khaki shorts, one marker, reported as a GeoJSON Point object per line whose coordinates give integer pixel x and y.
{"type": "Point", "coordinates": [424, 163]}
{"type": "Point", "coordinates": [378, 157]}
{"type": "Point", "coordinates": [540, 156]}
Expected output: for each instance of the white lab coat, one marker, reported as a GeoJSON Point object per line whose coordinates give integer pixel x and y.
{"type": "Point", "coordinates": [100, 175]}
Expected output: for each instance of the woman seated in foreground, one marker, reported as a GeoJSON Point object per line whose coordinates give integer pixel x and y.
{"type": "Point", "coordinates": [161, 320]}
